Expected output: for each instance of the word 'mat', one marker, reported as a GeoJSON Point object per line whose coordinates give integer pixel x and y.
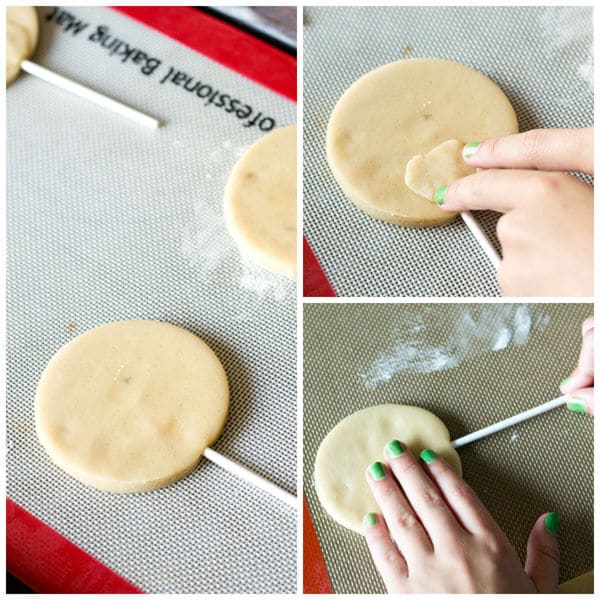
{"type": "Point", "coordinates": [219, 99]}
{"type": "Point", "coordinates": [66, 20]}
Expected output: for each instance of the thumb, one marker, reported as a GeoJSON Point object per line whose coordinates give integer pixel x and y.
{"type": "Point", "coordinates": [582, 401]}
{"type": "Point", "coordinates": [543, 555]}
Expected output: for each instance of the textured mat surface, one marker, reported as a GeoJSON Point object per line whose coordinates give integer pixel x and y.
{"type": "Point", "coordinates": [109, 221]}
{"type": "Point", "coordinates": [540, 56]}
{"type": "Point", "coordinates": [471, 365]}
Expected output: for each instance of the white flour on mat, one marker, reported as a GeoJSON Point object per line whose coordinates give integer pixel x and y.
{"type": "Point", "coordinates": [420, 346]}
{"type": "Point", "coordinates": [563, 26]}
{"type": "Point", "coordinates": [206, 242]}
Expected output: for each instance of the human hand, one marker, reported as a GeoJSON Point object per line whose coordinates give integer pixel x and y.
{"type": "Point", "coordinates": [547, 228]}
{"type": "Point", "coordinates": [435, 535]}
{"type": "Point", "coordinates": [579, 386]}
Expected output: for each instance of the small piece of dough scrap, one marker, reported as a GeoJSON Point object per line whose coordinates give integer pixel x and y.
{"type": "Point", "coordinates": [400, 110]}
{"type": "Point", "coordinates": [260, 202]}
{"type": "Point", "coordinates": [22, 32]}
{"type": "Point", "coordinates": [131, 406]}
{"type": "Point", "coordinates": [425, 173]}
{"type": "Point", "coordinates": [357, 441]}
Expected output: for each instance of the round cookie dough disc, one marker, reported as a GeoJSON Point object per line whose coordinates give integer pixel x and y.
{"type": "Point", "coordinates": [357, 441]}
{"type": "Point", "coordinates": [260, 202]}
{"type": "Point", "coordinates": [398, 111]}
{"type": "Point", "coordinates": [130, 406]}
{"type": "Point", "coordinates": [22, 32]}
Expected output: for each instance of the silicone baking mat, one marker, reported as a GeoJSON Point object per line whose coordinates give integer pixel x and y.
{"type": "Point", "coordinates": [540, 56]}
{"type": "Point", "coordinates": [471, 365]}
{"type": "Point", "coordinates": [108, 220]}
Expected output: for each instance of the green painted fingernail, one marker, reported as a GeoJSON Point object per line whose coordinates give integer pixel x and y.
{"type": "Point", "coordinates": [564, 382]}
{"type": "Point", "coordinates": [428, 456]}
{"type": "Point", "coordinates": [394, 448]}
{"type": "Point", "coordinates": [440, 194]}
{"type": "Point", "coordinates": [370, 519]}
{"type": "Point", "coordinates": [552, 523]}
{"type": "Point", "coordinates": [470, 149]}
{"type": "Point", "coordinates": [577, 405]}
{"type": "Point", "coordinates": [377, 471]}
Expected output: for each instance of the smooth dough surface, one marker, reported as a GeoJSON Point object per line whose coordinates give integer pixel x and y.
{"type": "Point", "coordinates": [22, 32]}
{"type": "Point", "coordinates": [130, 406]}
{"type": "Point", "coordinates": [583, 584]}
{"type": "Point", "coordinates": [357, 441]}
{"type": "Point", "coordinates": [440, 166]}
{"type": "Point", "coordinates": [260, 202]}
{"type": "Point", "coordinates": [398, 111]}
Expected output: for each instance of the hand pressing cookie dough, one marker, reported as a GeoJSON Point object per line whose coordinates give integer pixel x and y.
{"type": "Point", "coordinates": [435, 536]}
{"type": "Point", "coordinates": [547, 227]}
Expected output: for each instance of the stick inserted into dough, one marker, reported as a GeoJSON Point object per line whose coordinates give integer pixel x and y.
{"type": "Point", "coordinates": [89, 94]}
{"type": "Point", "coordinates": [22, 34]}
{"type": "Point", "coordinates": [481, 237]}
{"type": "Point", "coordinates": [249, 476]}
{"type": "Point", "coordinates": [524, 416]}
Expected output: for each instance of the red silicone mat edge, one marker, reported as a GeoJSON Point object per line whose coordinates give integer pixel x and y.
{"type": "Point", "coordinates": [223, 43]}
{"type": "Point", "coordinates": [315, 281]}
{"type": "Point", "coordinates": [48, 562]}
{"type": "Point", "coordinates": [315, 576]}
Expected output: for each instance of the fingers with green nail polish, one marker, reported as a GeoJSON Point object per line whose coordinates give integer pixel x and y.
{"type": "Point", "coordinates": [552, 523]}
{"type": "Point", "coordinates": [393, 449]}
{"type": "Point", "coordinates": [470, 149]}
{"type": "Point", "coordinates": [428, 456]}
{"type": "Point", "coordinates": [370, 520]}
{"type": "Point", "coordinates": [577, 405]}
{"type": "Point", "coordinates": [377, 471]}
{"type": "Point", "coordinates": [440, 195]}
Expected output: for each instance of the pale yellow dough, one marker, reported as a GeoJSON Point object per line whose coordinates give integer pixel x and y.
{"type": "Point", "coordinates": [584, 584]}
{"type": "Point", "coordinates": [22, 32]}
{"type": "Point", "coordinates": [440, 166]}
{"type": "Point", "coordinates": [260, 202]}
{"type": "Point", "coordinates": [130, 406]}
{"type": "Point", "coordinates": [398, 111]}
{"type": "Point", "coordinates": [357, 441]}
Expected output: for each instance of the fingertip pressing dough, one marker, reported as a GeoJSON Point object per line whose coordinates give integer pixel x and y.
{"type": "Point", "coordinates": [357, 441]}
{"type": "Point", "coordinates": [22, 32]}
{"type": "Point", "coordinates": [398, 111]}
{"type": "Point", "coordinates": [260, 202]}
{"type": "Point", "coordinates": [131, 406]}
{"type": "Point", "coordinates": [440, 166]}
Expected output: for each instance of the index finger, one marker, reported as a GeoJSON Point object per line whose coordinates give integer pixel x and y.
{"type": "Point", "coordinates": [543, 149]}
{"type": "Point", "coordinates": [493, 189]}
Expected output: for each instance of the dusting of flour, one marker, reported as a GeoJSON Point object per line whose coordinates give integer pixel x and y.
{"type": "Point", "coordinates": [419, 345]}
{"type": "Point", "coordinates": [562, 28]}
{"type": "Point", "coordinates": [206, 243]}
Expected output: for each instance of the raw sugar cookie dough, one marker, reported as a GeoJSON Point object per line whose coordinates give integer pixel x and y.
{"type": "Point", "coordinates": [131, 406]}
{"type": "Point", "coordinates": [398, 111]}
{"type": "Point", "coordinates": [260, 202]}
{"type": "Point", "coordinates": [440, 166]}
{"type": "Point", "coordinates": [357, 441]}
{"type": "Point", "coordinates": [22, 32]}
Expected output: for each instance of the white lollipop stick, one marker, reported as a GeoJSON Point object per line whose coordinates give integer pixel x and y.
{"type": "Point", "coordinates": [249, 476]}
{"type": "Point", "coordinates": [89, 94]}
{"type": "Point", "coordinates": [528, 414]}
{"type": "Point", "coordinates": [481, 238]}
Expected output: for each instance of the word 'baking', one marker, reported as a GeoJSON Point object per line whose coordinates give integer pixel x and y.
{"type": "Point", "coordinates": [123, 50]}
{"type": "Point", "coordinates": [148, 65]}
